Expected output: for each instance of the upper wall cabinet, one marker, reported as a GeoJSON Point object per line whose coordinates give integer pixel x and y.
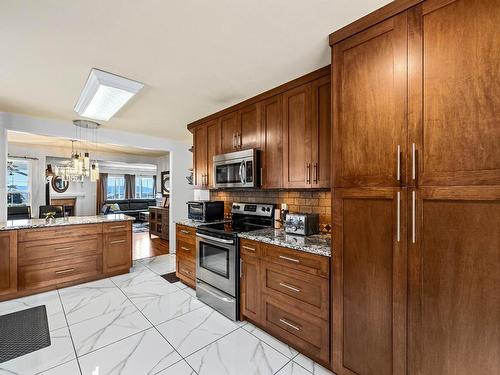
{"type": "Point", "coordinates": [229, 130]}
{"type": "Point", "coordinates": [454, 106]}
{"type": "Point", "coordinates": [241, 129]}
{"type": "Point", "coordinates": [272, 138]}
{"type": "Point", "coordinates": [321, 132]}
{"type": "Point", "coordinates": [369, 106]}
{"type": "Point", "coordinates": [207, 143]}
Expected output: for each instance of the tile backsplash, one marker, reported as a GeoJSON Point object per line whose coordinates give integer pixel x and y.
{"type": "Point", "coordinates": [316, 201]}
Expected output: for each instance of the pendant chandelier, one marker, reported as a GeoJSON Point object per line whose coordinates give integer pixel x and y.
{"type": "Point", "coordinates": [81, 166]}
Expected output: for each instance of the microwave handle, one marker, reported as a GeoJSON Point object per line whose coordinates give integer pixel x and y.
{"type": "Point", "coordinates": [242, 172]}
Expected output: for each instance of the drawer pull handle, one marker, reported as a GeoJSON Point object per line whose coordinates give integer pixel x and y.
{"type": "Point", "coordinates": [65, 248]}
{"type": "Point", "coordinates": [289, 324]}
{"type": "Point", "coordinates": [185, 231]}
{"type": "Point", "coordinates": [118, 227]}
{"type": "Point", "coordinates": [65, 271]}
{"type": "Point", "coordinates": [249, 248]}
{"type": "Point", "coordinates": [289, 259]}
{"type": "Point", "coordinates": [117, 241]}
{"type": "Point", "coordinates": [290, 287]}
{"type": "Point", "coordinates": [183, 270]}
{"type": "Point", "coordinates": [185, 248]}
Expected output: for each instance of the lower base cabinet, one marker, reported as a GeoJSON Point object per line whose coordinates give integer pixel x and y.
{"type": "Point", "coordinates": [287, 296]}
{"type": "Point", "coordinates": [8, 262]}
{"type": "Point", "coordinates": [186, 255]}
{"type": "Point", "coordinates": [117, 251]}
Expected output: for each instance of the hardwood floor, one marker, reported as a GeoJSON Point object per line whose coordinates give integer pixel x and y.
{"type": "Point", "coordinates": [145, 247]}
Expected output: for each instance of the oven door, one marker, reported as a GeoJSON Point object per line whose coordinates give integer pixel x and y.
{"type": "Point", "coordinates": [216, 262]}
{"type": "Point", "coordinates": [230, 173]}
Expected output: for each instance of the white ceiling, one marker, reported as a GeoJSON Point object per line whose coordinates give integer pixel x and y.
{"type": "Point", "coordinates": [194, 56]}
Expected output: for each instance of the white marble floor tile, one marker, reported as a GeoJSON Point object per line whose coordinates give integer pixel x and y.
{"type": "Point", "coordinates": [271, 340]}
{"type": "Point", "coordinates": [148, 289]}
{"type": "Point", "coordinates": [196, 329]}
{"type": "Point", "coordinates": [161, 265]}
{"type": "Point", "coordinates": [237, 353]}
{"type": "Point", "coordinates": [311, 366]}
{"type": "Point", "coordinates": [51, 300]}
{"type": "Point", "coordinates": [60, 351]}
{"type": "Point", "coordinates": [168, 306]}
{"type": "Point", "coordinates": [190, 291]}
{"type": "Point", "coordinates": [69, 368]}
{"type": "Point", "coordinates": [180, 285]}
{"type": "Point", "coordinates": [103, 283]}
{"type": "Point", "coordinates": [180, 368]}
{"type": "Point", "coordinates": [146, 352]}
{"type": "Point", "coordinates": [293, 368]}
{"type": "Point", "coordinates": [95, 333]}
{"type": "Point", "coordinates": [134, 278]}
{"type": "Point", "coordinates": [85, 303]}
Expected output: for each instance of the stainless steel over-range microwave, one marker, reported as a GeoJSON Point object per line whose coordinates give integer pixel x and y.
{"type": "Point", "coordinates": [236, 169]}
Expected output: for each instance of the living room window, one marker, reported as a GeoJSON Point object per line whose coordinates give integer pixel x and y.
{"type": "Point", "coordinates": [116, 187]}
{"type": "Point", "coordinates": [144, 187]}
{"type": "Point", "coordinates": [18, 183]}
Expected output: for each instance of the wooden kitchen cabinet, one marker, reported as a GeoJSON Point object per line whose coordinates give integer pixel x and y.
{"type": "Point", "coordinates": [8, 262]}
{"type": "Point", "coordinates": [454, 288]}
{"type": "Point", "coordinates": [272, 150]}
{"type": "Point", "coordinates": [369, 74]}
{"type": "Point", "coordinates": [229, 129]}
{"type": "Point", "coordinates": [117, 251]}
{"type": "Point", "coordinates": [286, 293]}
{"type": "Point", "coordinates": [321, 132]}
{"type": "Point", "coordinates": [369, 281]}
{"type": "Point", "coordinates": [200, 161]}
{"type": "Point", "coordinates": [249, 127]}
{"type": "Point", "coordinates": [454, 92]}
{"type": "Point", "coordinates": [213, 148]}
{"type": "Point", "coordinates": [186, 254]}
{"type": "Point", "coordinates": [297, 137]}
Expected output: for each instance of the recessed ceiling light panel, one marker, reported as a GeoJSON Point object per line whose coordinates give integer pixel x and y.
{"type": "Point", "coordinates": [104, 94]}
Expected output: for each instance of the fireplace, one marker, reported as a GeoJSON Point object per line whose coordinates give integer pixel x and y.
{"type": "Point", "coordinates": [68, 204]}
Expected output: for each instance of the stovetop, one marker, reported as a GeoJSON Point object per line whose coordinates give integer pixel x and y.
{"type": "Point", "coordinates": [232, 228]}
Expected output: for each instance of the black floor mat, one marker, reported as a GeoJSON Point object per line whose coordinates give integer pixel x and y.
{"type": "Point", "coordinates": [170, 277]}
{"type": "Point", "coordinates": [23, 332]}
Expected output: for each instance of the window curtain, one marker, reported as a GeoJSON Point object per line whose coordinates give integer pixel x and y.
{"type": "Point", "coordinates": [155, 188]}
{"type": "Point", "coordinates": [129, 186]}
{"type": "Point", "coordinates": [102, 192]}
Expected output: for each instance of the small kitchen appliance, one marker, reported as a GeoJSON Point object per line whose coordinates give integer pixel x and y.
{"type": "Point", "coordinates": [302, 224]}
{"type": "Point", "coordinates": [206, 211]}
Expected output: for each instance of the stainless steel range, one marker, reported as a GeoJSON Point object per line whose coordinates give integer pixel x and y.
{"type": "Point", "coordinates": [218, 258]}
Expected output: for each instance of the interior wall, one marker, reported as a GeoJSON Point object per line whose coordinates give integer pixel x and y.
{"type": "Point", "coordinates": [3, 166]}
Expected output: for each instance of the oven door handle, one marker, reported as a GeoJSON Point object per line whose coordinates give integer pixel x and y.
{"type": "Point", "coordinates": [214, 239]}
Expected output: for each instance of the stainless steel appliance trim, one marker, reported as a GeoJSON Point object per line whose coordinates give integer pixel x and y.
{"type": "Point", "coordinates": [242, 172]}
{"type": "Point", "coordinates": [223, 303]}
{"type": "Point", "coordinates": [215, 239]}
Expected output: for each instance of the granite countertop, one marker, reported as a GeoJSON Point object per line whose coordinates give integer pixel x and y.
{"type": "Point", "coordinates": [195, 224]}
{"type": "Point", "coordinates": [319, 244]}
{"type": "Point", "coordinates": [71, 220]}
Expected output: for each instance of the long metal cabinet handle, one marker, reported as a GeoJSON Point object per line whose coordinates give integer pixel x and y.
{"type": "Point", "coordinates": [289, 324]}
{"type": "Point", "coordinates": [240, 143]}
{"type": "Point", "coordinates": [316, 177]}
{"type": "Point", "coordinates": [241, 268]}
{"type": "Point", "coordinates": [234, 140]}
{"type": "Point", "coordinates": [117, 241]}
{"type": "Point", "coordinates": [413, 161]}
{"type": "Point", "coordinates": [290, 287]}
{"type": "Point", "coordinates": [413, 215]}
{"type": "Point", "coordinates": [308, 173]}
{"type": "Point", "coordinates": [398, 217]}
{"type": "Point", "coordinates": [289, 259]}
{"type": "Point", "coordinates": [398, 172]}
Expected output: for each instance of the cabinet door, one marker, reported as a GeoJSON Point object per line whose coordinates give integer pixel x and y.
{"type": "Point", "coordinates": [455, 92]}
{"type": "Point", "coordinates": [213, 148]}
{"type": "Point", "coordinates": [230, 129]}
{"type": "Point", "coordinates": [369, 281]}
{"type": "Point", "coordinates": [272, 152]}
{"type": "Point", "coordinates": [454, 289]}
{"type": "Point", "coordinates": [297, 168]}
{"type": "Point", "coordinates": [249, 125]}
{"type": "Point", "coordinates": [321, 132]}
{"type": "Point", "coordinates": [117, 252]}
{"type": "Point", "coordinates": [369, 81]}
{"type": "Point", "coordinates": [8, 262]}
{"type": "Point", "coordinates": [251, 305]}
{"type": "Point", "coordinates": [200, 156]}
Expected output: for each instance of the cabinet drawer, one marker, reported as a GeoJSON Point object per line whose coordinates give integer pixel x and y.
{"type": "Point", "coordinates": [119, 226]}
{"type": "Point", "coordinates": [309, 334]}
{"type": "Point", "coordinates": [41, 275]}
{"type": "Point", "coordinates": [186, 268]}
{"type": "Point", "coordinates": [185, 249]}
{"type": "Point", "coordinates": [44, 251]}
{"type": "Point", "coordinates": [186, 234]}
{"type": "Point", "coordinates": [248, 247]}
{"type": "Point", "coordinates": [307, 292]}
{"type": "Point", "coordinates": [311, 263]}
{"type": "Point", "coordinates": [59, 232]}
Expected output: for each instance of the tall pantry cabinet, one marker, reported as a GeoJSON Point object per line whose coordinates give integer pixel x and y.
{"type": "Point", "coordinates": [416, 200]}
